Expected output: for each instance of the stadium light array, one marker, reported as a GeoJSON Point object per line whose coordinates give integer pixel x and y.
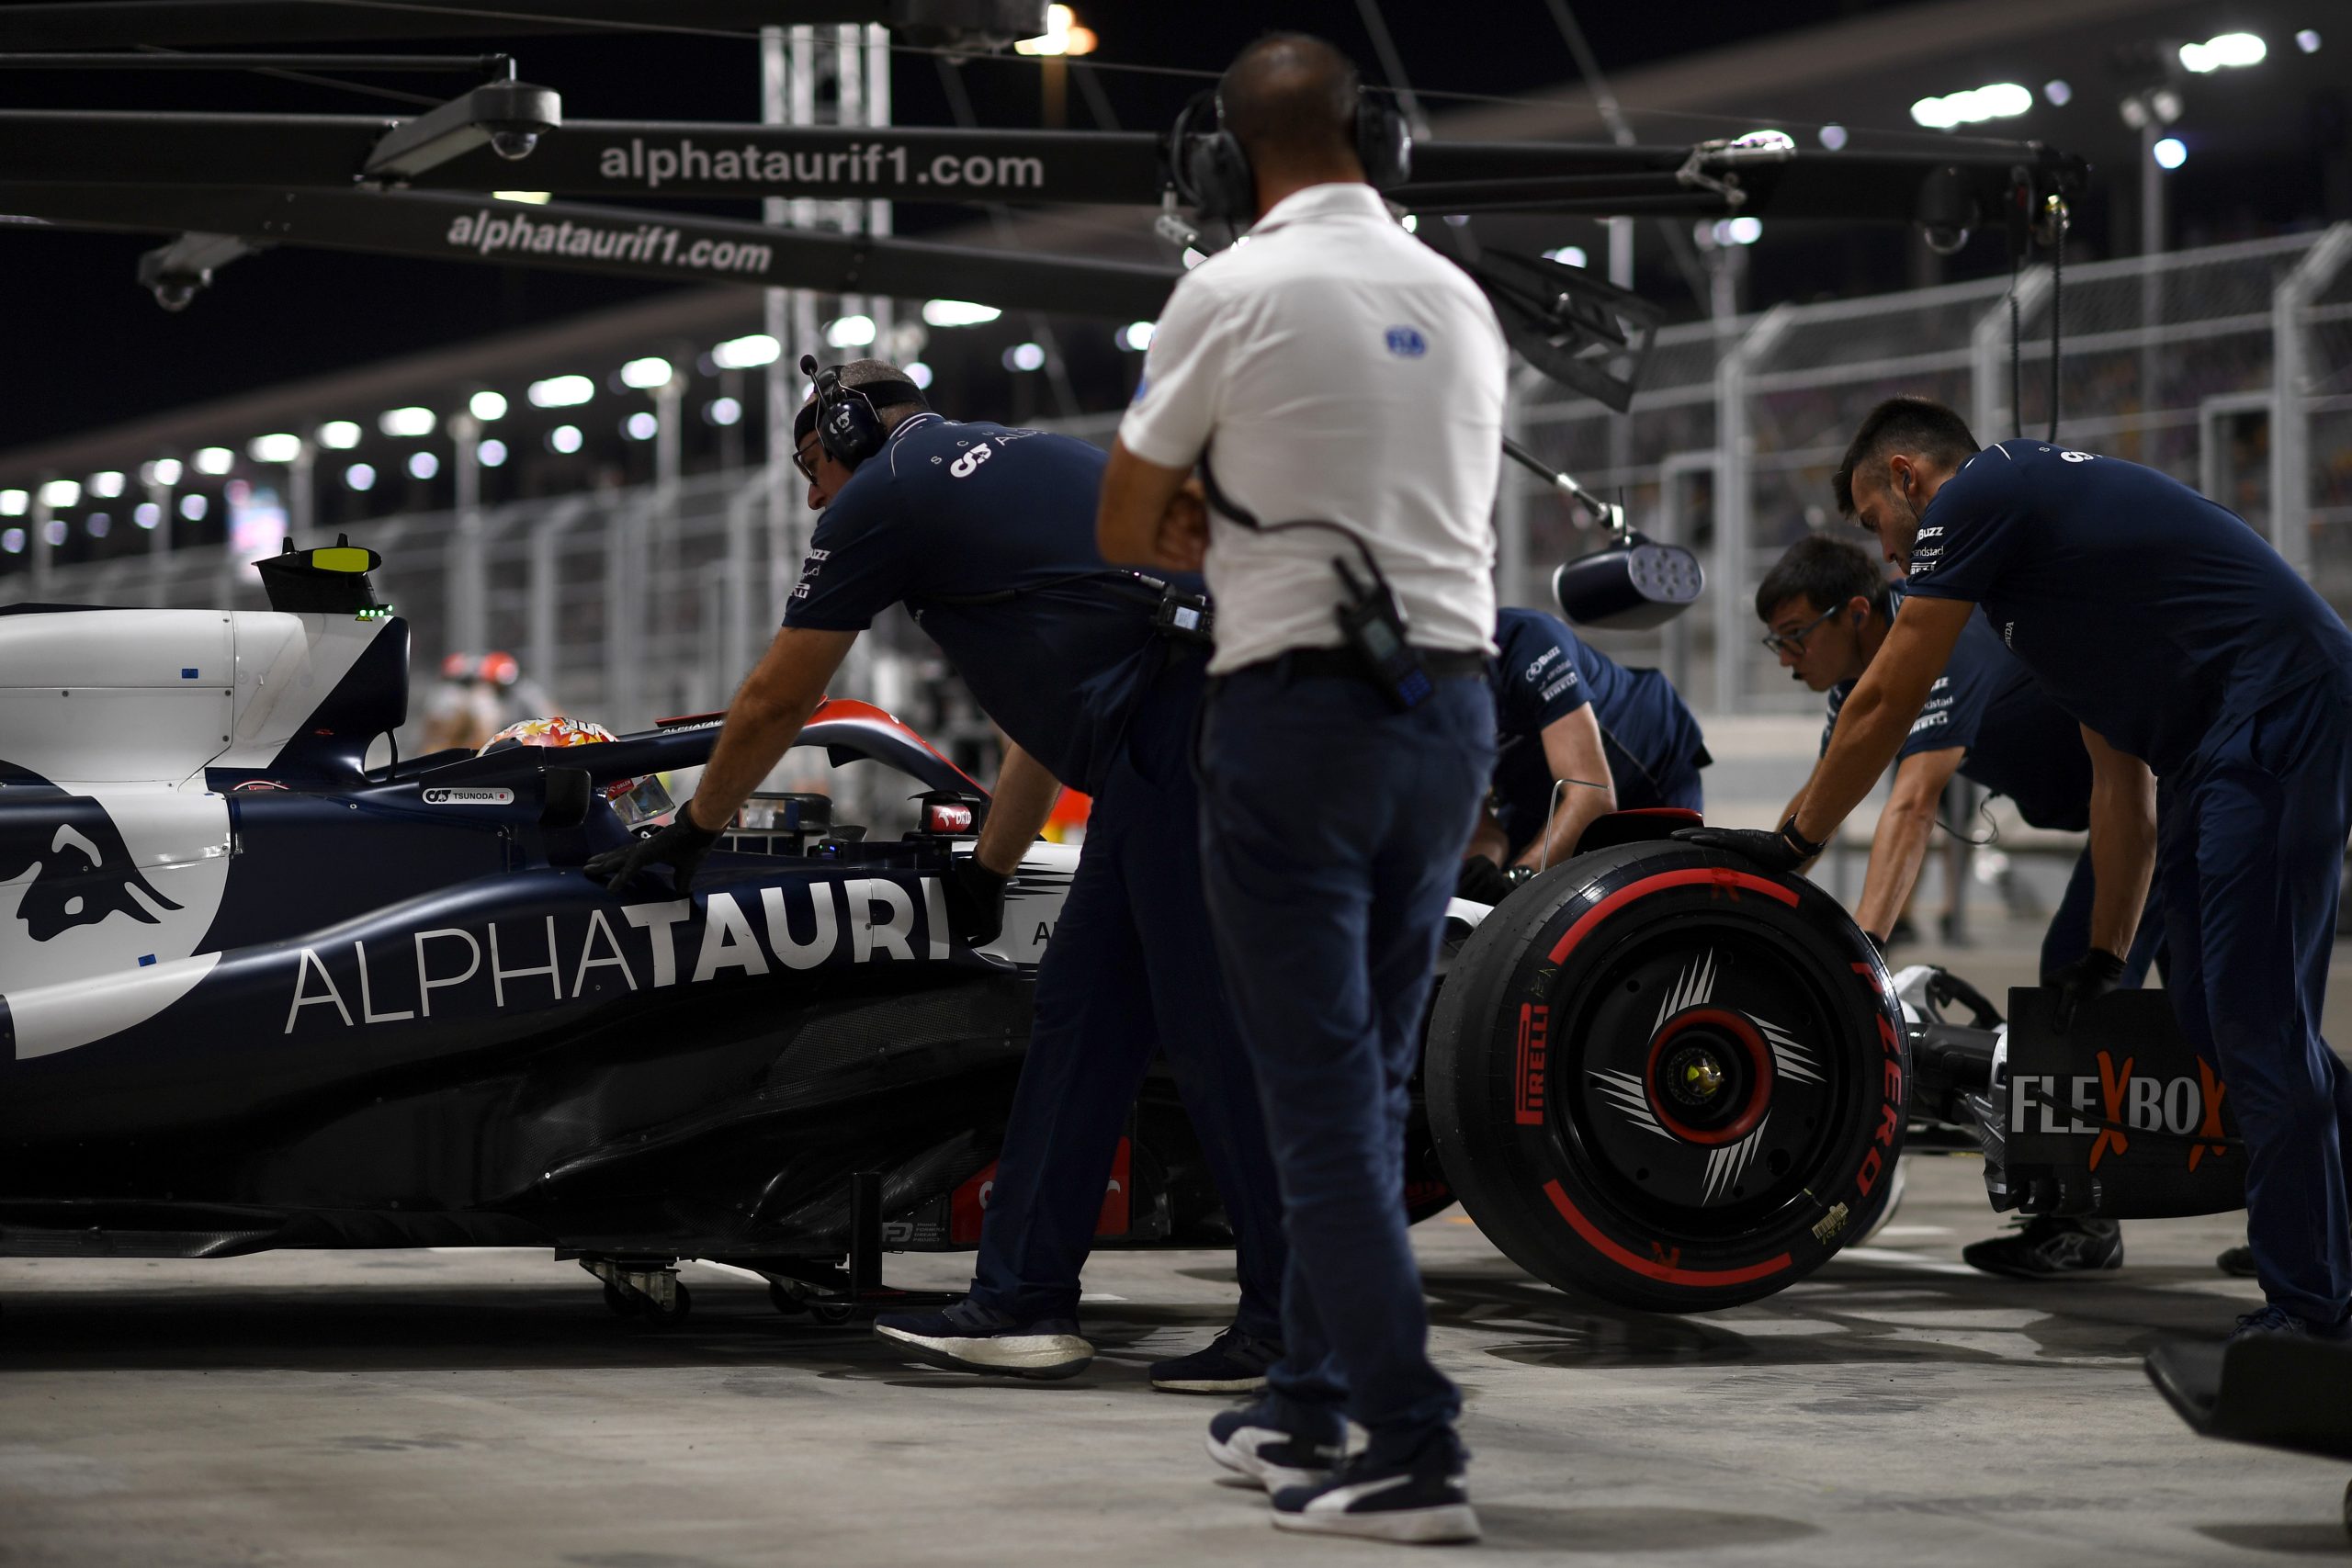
{"type": "Point", "coordinates": [743, 353]}
{"type": "Point", "coordinates": [339, 435]}
{"type": "Point", "coordinates": [2228, 51]}
{"type": "Point", "coordinates": [560, 391]}
{"type": "Point", "coordinates": [2001, 100]}
{"type": "Point", "coordinates": [646, 374]}
{"type": "Point", "coordinates": [957, 313]}
{"type": "Point", "coordinates": [214, 460]}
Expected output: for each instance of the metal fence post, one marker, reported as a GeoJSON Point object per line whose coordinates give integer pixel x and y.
{"type": "Point", "coordinates": [1735, 498]}
{"type": "Point", "coordinates": [2290, 465]}
{"type": "Point", "coordinates": [1988, 389]}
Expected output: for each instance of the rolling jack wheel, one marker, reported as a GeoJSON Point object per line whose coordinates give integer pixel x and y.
{"type": "Point", "coordinates": [673, 1312]}
{"type": "Point", "coordinates": [832, 1314]}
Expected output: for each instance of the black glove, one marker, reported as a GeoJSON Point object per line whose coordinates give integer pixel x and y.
{"type": "Point", "coordinates": [1483, 882]}
{"type": "Point", "coordinates": [1782, 850]}
{"type": "Point", "coordinates": [2095, 974]}
{"type": "Point", "coordinates": [974, 896]}
{"type": "Point", "coordinates": [679, 846]}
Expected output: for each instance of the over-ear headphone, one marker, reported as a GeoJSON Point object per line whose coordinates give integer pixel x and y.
{"type": "Point", "coordinates": [1212, 173]}
{"type": "Point", "coordinates": [849, 420]}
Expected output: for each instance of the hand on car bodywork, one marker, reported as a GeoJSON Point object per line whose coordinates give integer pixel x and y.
{"type": "Point", "coordinates": [2095, 974]}
{"type": "Point", "coordinates": [681, 846]}
{"type": "Point", "coordinates": [975, 901]}
{"type": "Point", "coordinates": [1780, 850]}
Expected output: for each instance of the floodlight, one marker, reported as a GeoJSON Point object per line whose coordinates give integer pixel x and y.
{"type": "Point", "coordinates": [408, 422]}
{"type": "Point", "coordinates": [957, 313]}
{"type": "Point", "coordinates": [562, 391]}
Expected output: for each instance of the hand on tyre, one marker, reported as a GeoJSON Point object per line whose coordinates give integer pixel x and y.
{"type": "Point", "coordinates": [679, 846]}
{"type": "Point", "coordinates": [2095, 974]}
{"type": "Point", "coordinates": [1481, 881]}
{"type": "Point", "coordinates": [975, 897]}
{"type": "Point", "coordinates": [1779, 849]}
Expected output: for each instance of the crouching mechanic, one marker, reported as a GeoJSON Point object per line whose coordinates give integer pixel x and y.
{"type": "Point", "coordinates": [1576, 736]}
{"type": "Point", "coordinates": [987, 536]}
{"type": "Point", "coordinates": [1829, 608]}
{"type": "Point", "coordinates": [2214, 689]}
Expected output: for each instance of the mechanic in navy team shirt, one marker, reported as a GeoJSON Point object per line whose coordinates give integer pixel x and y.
{"type": "Point", "coordinates": [2214, 691]}
{"type": "Point", "coordinates": [987, 536]}
{"type": "Point", "coordinates": [1572, 726]}
{"type": "Point", "coordinates": [1829, 608]}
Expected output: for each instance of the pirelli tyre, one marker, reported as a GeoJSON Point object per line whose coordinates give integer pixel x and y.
{"type": "Point", "coordinates": [1659, 1077]}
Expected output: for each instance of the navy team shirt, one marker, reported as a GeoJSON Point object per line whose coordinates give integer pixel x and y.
{"type": "Point", "coordinates": [2018, 742]}
{"type": "Point", "coordinates": [1059, 646]}
{"type": "Point", "coordinates": [1542, 673]}
{"type": "Point", "coordinates": [2152, 615]}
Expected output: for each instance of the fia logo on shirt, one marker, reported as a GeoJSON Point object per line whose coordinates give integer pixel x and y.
{"type": "Point", "coordinates": [1407, 343]}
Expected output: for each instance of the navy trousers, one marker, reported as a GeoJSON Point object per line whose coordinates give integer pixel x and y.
{"type": "Point", "coordinates": [2251, 850]}
{"type": "Point", "coordinates": [2069, 936]}
{"type": "Point", "coordinates": [1130, 967]}
{"type": "Point", "coordinates": [1332, 830]}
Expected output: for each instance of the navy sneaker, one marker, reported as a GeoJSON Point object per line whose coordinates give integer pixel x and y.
{"type": "Point", "coordinates": [1256, 1441]}
{"type": "Point", "coordinates": [1425, 1501]}
{"type": "Point", "coordinates": [1233, 1362]}
{"type": "Point", "coordinates": [2279, 1320]}
{"type": "Point", "coordinates": [970, 1337]}
{"type": "Point", "coordinates": [2049, 1246]}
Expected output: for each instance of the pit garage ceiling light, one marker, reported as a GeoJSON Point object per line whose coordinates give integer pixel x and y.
{"type": "Point", "coordinates": [2059, 91]}
{"type": "Point", "coordinates": [490, 454]}
{"type": "Point", "coordinates": [1024, 356]}
{"type": "Point", "coordinates": [487, 406]}
{"type": "Point", "coordinates": [107, 485]}
{"type": "Point", "coordinates": [279, 448]}
{"type": "Point", "coordinates": [646, 374]}
{"type": "Point", "coordinates": [1135, 336]}
{"type": "Point", "coordinates": [2227, 53]}
{"type": "Point", "coordinates": [339, 435]}
{"type": "Point", "coordinates": [1568, 255]}
{"type": "Point", "coordinates": [164, 471]}
{"type": "Point", "coordinates": [194, 507]}
{"type": "Point", "coordinates": [2308, 40]}
{"type": "Point", "coordinates": [360, 475]}
{"type": "Point", "coordinates": [99, 524]}
{"type": "Point", "coordinates": [560, 391]}
{"type": "Point", "coordinates": [408, 422]}
{"type": "Point", "coordinates": [2001, 100]}
{"type": "Point", "coordinates": [957, 313]}
{"type": "Point", "coordinates": [2171, 152]}
{"type": "Point", "coordinates": [920, 374]}
{"type": "Point", "coordinates": [60, 493]}
{"type": "Point", "coordinates": [147, 514]}
{"type": "Point", "coordinates": [423, 465]}
{"type": "Point", "coordinates": [641, 427]}
{"type": "Point", "coordinates": [13, 502]}
{"type": "Point", "coordinates": [564, 438]}
{"type": "Point", "coordinates": [743, 353]}
{"type": "Point", "coordinates": [533, 198]}
{"type": "Point", "coordinates": [214, 460]}
{"type": "Point", "coordinates": [849, 332]}
{"type": "Point", "coordinates": [723, 411]}
{"type": "Point", "coordinates": [1833, 137]}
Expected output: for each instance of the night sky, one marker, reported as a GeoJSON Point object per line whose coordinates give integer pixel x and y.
{"type": "Point", "coordinates": [85, 346]}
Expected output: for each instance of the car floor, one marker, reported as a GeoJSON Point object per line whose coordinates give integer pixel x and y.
{"type": "Point", "coordinates": [484, 1408]}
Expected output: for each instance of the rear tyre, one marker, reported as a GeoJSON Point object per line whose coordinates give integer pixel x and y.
{"type": "Point", "coordinates": [1662, 1077]}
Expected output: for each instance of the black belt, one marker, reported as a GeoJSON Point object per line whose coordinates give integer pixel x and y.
{"type": "Point", "coordinates": [1340, 664]}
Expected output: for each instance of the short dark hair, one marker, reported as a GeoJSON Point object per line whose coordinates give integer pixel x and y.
{"type": "Point", "coordinates": [1290, 98]}
{"type": "Point", "coordinates": [1921, 426]}
{"type": "Point", "coordinates": [1823, 571]}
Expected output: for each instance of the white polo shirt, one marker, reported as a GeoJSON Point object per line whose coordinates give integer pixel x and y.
{"type": "Point", "coordinates": [1334, 368]}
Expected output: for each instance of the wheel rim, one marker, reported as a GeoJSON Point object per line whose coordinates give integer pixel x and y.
{"type": "Point", "coordinates": [1703, 1084]}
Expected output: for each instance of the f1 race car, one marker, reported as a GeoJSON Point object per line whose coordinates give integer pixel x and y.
{"type": "Point", "coordinates": [256, 994]}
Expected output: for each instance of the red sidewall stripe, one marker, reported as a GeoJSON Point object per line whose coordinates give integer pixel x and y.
{"type": "Point", "coordinates": [1650, 1268]}
{"type": "Point", "coordinates": [1732, 882]}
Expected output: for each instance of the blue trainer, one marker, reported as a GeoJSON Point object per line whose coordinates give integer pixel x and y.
{"type": "Point", "coordinates": [970, 1337]}
{"type": "Point", "coordinates": [1424, 1501]}
{"type": "Point", "coordinates": [2279, 1320]}
{"type": "Point", "coordinates": [1258, 1441]}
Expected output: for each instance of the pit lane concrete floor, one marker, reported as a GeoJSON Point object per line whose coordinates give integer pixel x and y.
{"type": "Point", "coordinates": [434, 1407]}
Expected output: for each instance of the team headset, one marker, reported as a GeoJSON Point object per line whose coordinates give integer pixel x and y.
{"type": "Point", "coordinates": [848, 422]}
{"type": "Point", "coordinates": [1212, 174]}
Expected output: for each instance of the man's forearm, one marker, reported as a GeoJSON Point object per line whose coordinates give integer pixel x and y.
{"type": "Point", "coordinates": [1870, 732]}
{"type": "Point", "coordinates": [1897, 850]}
{"type": "Point", "coordinates": [758, 732]}
{"type": "Point", "coordinates": [1022, 800]}
{"type": "Point", "coordinates": [2123, 847]}
{"type": "Point", "coordinates": [1580, 806]}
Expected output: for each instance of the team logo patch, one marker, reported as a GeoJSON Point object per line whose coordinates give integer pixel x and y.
{"type": "Point", "coordinates": [449, 794]}
{"type": "Point", "coordinates": [1407, 343]}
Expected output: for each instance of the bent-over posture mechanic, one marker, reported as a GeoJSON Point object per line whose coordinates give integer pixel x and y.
{"type": "Point", "coordinates": [2214, 691]}
{"type": "Point", "coordinates": [1829, 608]}
{"type": "Point", "coordinates": [987, 536]}
{"type": "Point", "coordinates": [1341, 387]}
{"type": "Point", "coordinates": [1576, 726]}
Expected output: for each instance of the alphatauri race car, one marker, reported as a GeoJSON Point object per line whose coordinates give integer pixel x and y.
{"type": "Point", "coordinates": [255, 993]}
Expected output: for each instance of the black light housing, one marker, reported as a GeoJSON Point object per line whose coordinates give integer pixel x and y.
{"type": "Point", "coordinates": [1631, 585]}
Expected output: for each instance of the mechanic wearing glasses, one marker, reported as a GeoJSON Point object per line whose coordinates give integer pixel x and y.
{"type": "Point", "coordinates": [1572, 726]}
{"type": "Point", "coordinates": [1986, 718]}
{"type": "Point", "coordinates": [987, 536]}
{"type": "Point", "coordinates": [2214, 689]}
{"type": "Point", "coordinates": [1343, 383]}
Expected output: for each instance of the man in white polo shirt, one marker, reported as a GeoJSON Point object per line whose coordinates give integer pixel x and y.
{"type": "Point", "coordinates": [1340, 387]}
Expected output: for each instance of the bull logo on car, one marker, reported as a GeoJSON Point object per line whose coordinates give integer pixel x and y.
{"type": "Point", "coordinates": [83, 874]}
